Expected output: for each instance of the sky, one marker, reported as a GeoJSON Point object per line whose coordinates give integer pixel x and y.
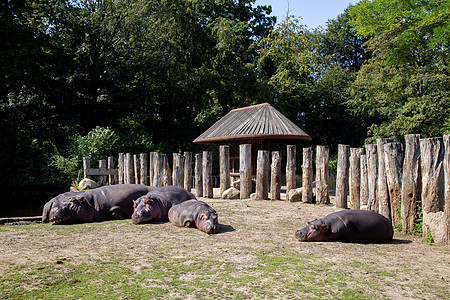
{"type": "Point", "coordinates": [313, 13]}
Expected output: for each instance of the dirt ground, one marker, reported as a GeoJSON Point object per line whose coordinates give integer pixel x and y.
{"type": "Point", "coordinates": [418, 267]}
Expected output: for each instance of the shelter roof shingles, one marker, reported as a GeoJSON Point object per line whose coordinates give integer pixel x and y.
{"type": "Point", "coordinates": [260, 121]}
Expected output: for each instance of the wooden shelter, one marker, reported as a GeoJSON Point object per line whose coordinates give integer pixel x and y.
{"type": "Point", "coordinates": [258, 125]}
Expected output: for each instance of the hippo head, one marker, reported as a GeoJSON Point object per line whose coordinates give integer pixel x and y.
{"type": "Point", "coordinates": [71, 210]}
{"type": "Point", "coordinates": [315, 230]}
{"type": "Point", "coordinates": [208, 222]}
{"type": "Point", "coordinates": [146, 210]}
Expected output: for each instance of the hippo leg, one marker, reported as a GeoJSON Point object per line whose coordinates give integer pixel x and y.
{"type": "Point", "coordinates": [117, 213]}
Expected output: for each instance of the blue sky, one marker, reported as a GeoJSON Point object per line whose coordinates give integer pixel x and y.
{"type": "Point", "coordinates": [313, 13]}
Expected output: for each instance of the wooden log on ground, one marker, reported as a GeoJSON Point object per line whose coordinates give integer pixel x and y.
{"type": "Point", "coordinates": [382, 189]}
{"type": "Point", "coordinates": [120, 165]}
{"type": "Point", "coordinates": [307, 176]}
{"type": "Point", "coordinates": [262, 166]}
{"type": "Point", "coordinates": [342, 186]}
{"type": "Point", "coordinates": [128, 168]}
{"type": "Point", "coordinates": [207, 175]}
{"type": "Point", "coordinates": [291, 169]}
{"type": "Point", "coordinates": [224, 156]}
{"type": "Point", "coordinates": [411, 182]}
{"type": "Point", "coordinates": [86, 166]}
{"type": "Point", "coordinates": [431, 163]}
{"type": "Point", "coordinates": [102, 166]}
{"type": "Point", "coordinates": [364, 191]}
{"type": "Point", "coordinates": [393, 159]}
{"type": "Point", "coordinates": [143, 168]}
{"type": "Point", "coordinates": [322, 175]}
{"type": "Point", "coordinates": [447, 186]}
{"type": "Point", "coordinates": [355, 178]}
{"type": "Point", "coordinates": [245, 170]}
{"type": "Point", "coordinates": [372, 176]}
{"type": "Point", "coordinates": [188, 170]}
{"type": "Point", "coordinates": [198, 174]}
{"type": "Point", "coordinates": [275, 177]}
{"type": "Point", "coordinates": [136, 168]}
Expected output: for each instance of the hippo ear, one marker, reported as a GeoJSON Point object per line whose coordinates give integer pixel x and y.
{"type": "Point", "coordinates": [204, 216]}
{"type": "Point", "coordinates": [323, 226]}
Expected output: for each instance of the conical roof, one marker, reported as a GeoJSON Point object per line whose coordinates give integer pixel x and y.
{"type": "Point", "coordinates": [260, 121]}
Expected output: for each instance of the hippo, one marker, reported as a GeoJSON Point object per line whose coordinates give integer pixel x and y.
{"type": "Point", "coordinates": [155, 206]}
{"type": "Point", "coordinates": [354, 226]}
{"type": "Point", "coordinates": [194, 213]}
{"type": "Point", "coordinates": [100, 204]}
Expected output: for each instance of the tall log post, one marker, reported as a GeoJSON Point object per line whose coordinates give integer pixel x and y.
{"type": "Point", "coordinates": [262, 167]}
{"type": "Point", "coordinates": [364, 191]}
{"type": "Point", "coordinates": [198, 167]}
{"type": "Point", "coordinates": [342, 185]}
{"type": "Point", "coordinates": [143, 168]}
{"type": "Point", "coordinates": [120, 164]}
{"type": "Point", "coordinates": [307, 175]}
{"type": "Point", "coordinates": [447, 186]}
{"type": "Point", "coordinates": [355, 178]}
{"type": "Point", "coordinates": [128, 168]}
{"type": "Point", "coordinates": [275, 177]}
{"type": "Point", "coordinates": [86, 165]}
{"type": "Point", "coordinates": [151, 170]}
{"type": "Point", "coordinates": [207, 175]}
{"type": "Point", "coordinates": [166, 176]}
{"type": "Point", "coordinates": [188, 170]}
{"type": "Point", "coordinates": [136, 168]}
{"type": "Point", "coordinates": [291, 169]}
{"type": "Point", "coordinates": [382, 189]}
{"type": "Point", "coordinates": [102, 178]}
{"type": "Point", "coordinates": [245, 170]}
{"type": "Point", "coordinates": [431, 158]}
{"type": "Point", "coordinates": [372, 176]}
{"type": "Point", "coordinates": [224, 156]}
{"type": "Point", "coordinates": [393, 159]}
{"type": "Point", "coordinates": [411, 182]}
{"type": "Point", "coordinates": [112, 178]}
{"type": "Point", "coordinates": [322, 175]}
{"type": "Point", "coordinates": [157, 169]}
{"type": "Point", "coordinates": [177, 177]}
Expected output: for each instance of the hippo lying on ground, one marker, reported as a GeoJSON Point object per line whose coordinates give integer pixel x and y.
{"type": "Point", "coordinates": [155, 206]}
{"type": "Point", "coordinates": [194, 213]}
{"type": "Point", "coordinates": [100, 204]}
{"type": "Point", "coordinates": [358, 226]}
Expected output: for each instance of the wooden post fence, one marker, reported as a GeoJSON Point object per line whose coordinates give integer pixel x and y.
{"type": "Point", "coordinates": [372, 176]}
{"type": "Point", "coordinates": [188, 170]}
{"type": "Point", "coordinates": [198, 174]}
{"type": "Point", "coordinates": [364, 191]}
{"type": "Point", "coordinates": [224, 156]}
{"type": "Point", "coordinates": [275, 177]}
{"type": "Point", "coordinates": [322, 175]}
{"type": "Point", "coordinates": [262, 167]}
{"type": "Point", "coordinates": [342, 185]}
{"type": "Point", "coordinates": [382, 189]}
{"type": "Point", "coordinates": [207, 175]}
{"type": "Point", "coordinates": [291, 169]}
{"type": "Point", "coordinates": [355, 178]}
{"type": "Point", "coordinates": [446, 140]}
{"type": "Point", "coordinates": [393, 155]}
{"type": "Point", "coordinates": [307, 175]}
{"type": "Point", "coordinates": [245, 170]}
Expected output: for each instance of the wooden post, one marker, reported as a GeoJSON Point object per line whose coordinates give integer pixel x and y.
{"type": "Point", "coordinates": [372, 176]}
{"type": "Point", "coordinates": [112, 178]}
{"type": "Point", "coordinates": [431, 157]}
{"type": "Point", "coordinates": [291, 169]}
{"type": "Point", "coordinates": [364, 191]}
{"type": "Point", "coordinates": [177, 171]}
{"type": "Point", "coordinates": [262, 166]}
{"type": "Point", "coordinates": [143, 169]}
{"type": "Point", "coordinates": [157, 169]}
{"type": "Point", "coordinates": [198, 174]}
{"type": "Point", "coordinates": [166, 172]}
{"type": "Point", "coordinates": [224, 155]}
{"type": "Point", "coordinates": [188, 170]}
{"type": "Point", "coordinates": [393, 159]}
{"type": "Point", "coordinates": [307, 176]}
{"type": "Point", "coordinates": [322, 175]}
{"type": "Point", "coordinates": [86, 165]}
{"type": "Point", "coordinates": [128, 168]}
{"type": "Point", "coordinates": [207, 175]}
{"type": "Point", "coordinates": [447, 186]}
{"type": "Point", "coordinates": [342, 176]}
{"type": "Point", "coordinates": [411, 182]}
{"type": "Point", "coordinates": [136, 168]}
{"type": "Point", "coordinates": [245, 170]}
{"type": "Point", "coordinates": [102, 178]}
{"type": "Point", "coordinates": [382, 188]}
{"type": "Point", "coordinates": [120, 164]}
{"type": "Point", "coordinates": [152, 156]}
{"type": "Point", "coordinates": [355, 178]}
{"type": "Point", "coordinates": [275, 178]}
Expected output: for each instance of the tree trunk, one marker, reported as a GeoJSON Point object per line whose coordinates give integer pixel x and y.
{"type": "Point", "coordinates": [143, 160]}
{"type": "Point", "coordinates": [372, 176]}
{"type": "Point", "coordinates": [245, 170]}
{"type": "Point", "coordinates": [188, 170]}
{"type": "Point", "coordinates": [307, 176]}
{"type": "Point", "coordinates": [393, 155]}
{"type": "Point", "coordinates": [198, 174]}
{"type": "Point", "coordinates": [207, 175]}
{"type": "Point", "coordinates": [447, 186]}
{"type": "Point", "coordinates": [355, 178]}
{"type": "Point", "coordinates": [275, 186]}
{"type": "Point", "coordinates": [291, 169]}
{"type": "Point", "coordinates": [262, 166]}
{"type": "Point", "coordinates": [342, 176]}
{"type": "Point", "coordinates": [128, 168]}
{"type": "Point", "coordinates": [224, 156]}
{"type": "Point", "coordinates": [382, 190]}
{"type": "Point", "coordinates": [322, 175]}
{"type": "Point", "coordinates": [120, 164]}
{"type": "Point", "coordinates": [136, 168]}
{"type": "Point", "coordinates": [157, 169]}
{"type": "Point", "coordinates": [364, 191]}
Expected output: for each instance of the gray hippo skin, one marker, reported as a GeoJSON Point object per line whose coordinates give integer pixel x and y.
{"type": "Point", "coordinates": [194, 213]}
{"type": "Point", "coordinates": [155, 206]}
{"type": "Point", "coordinates": [100, 204]}
{"type": "Point", "coordinates": [357, 226]}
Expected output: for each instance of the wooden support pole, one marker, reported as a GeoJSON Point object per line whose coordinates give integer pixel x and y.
{"type": "Point", "coordinates": [198, 174]}
{"type": "Point", "coordinates": [86, 165]}
{"type": "Point", "coordinates": [372, 176]}
{"type": "Point", "coordinates": [291, 169]}
{"type": "Point", "coordinates": [224, 156]}
{"type": "Point", "coordinates": [157, 169]}
{"type": "Point", "coordinates": [275, 177]}
{"type": "Point", "coordinates": [120, 164]}
{"type": "Point", "coordinates": [355, 178]}
{"type": "Point", "coordinates": [322, 175]}
{"type": "Point", "coordinates": [393, 159]}
{"type": "Point", "coordinates": [342, 185]}
{"type": "Point", "coordinates": [245, 170]}
{"type": "Point", "coordinates": [364, 191]}
{"type": "Point", "coordinates": [102, 166]}
{"type": "Point", "coordinates": [262, 167]}
{"type": "Point", "coordinates": [382, 188]}
{"type": "Point", "coordinates": [136, 168]}
{"type": "Point", "coordinates": [431, 158]}
{"type": "Point", "coordinates": [447, 186]}
{"type": "Point", "coordinates": [143, 168]}
{"type": "Point", "coordinates": [188, 170]}
{"type": "Point", "coordinates": [307, 176]}
{"type": "Point", "coordinates": [151, 169]}
{"type": "Point", "coordinates": [128, 168]}
{"type": "Point", "coordinates": [112, 178]}
{"type": "Point", "coordinates": [177, 171]}
{"type": "Point", "coordinates": [166, 176]}
{"type": "Point", "coordinates": [207, 175]}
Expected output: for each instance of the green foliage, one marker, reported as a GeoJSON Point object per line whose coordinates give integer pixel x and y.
{"type": "Point", "coordinates": [98, 144]}
{"type": "Point", "coordinates": [64, 170]}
